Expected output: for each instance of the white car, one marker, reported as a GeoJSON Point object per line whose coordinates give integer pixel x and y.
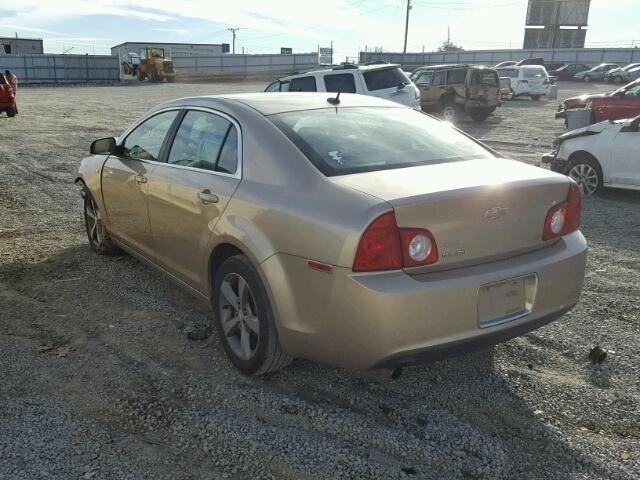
{"type": "Point", "coordinates": [383, 80]}
{"type": "Point", "coordinates": [527, 80]}
{"type": "Point", "coordinates": [604, 154]}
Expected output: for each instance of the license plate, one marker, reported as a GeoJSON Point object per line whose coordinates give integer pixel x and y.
{"type": "Point", "coordinates": [505, 301]}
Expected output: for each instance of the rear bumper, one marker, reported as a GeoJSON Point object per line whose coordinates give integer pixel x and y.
{"type": "Point", "coordinates": [369, 320]}
{"type": "Point", "coordinates": [464, 346]}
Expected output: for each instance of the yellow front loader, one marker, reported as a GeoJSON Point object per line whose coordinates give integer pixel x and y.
{"type": "Point", "coordinates": [154, 66]}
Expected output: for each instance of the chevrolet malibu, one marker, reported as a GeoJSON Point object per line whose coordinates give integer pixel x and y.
{"type": "Point", "coordinates": [348, 230]}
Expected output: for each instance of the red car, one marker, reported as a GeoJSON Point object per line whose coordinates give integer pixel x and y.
{"type": "Point", "coordinates": [7, 98]}
{"type": "Point", "coordinates": [616, 105]}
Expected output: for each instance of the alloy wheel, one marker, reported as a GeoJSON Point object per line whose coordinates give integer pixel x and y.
{"type": "Point", "coordinates": [586, 177]}
{"type": "Point", "coordinates": [239, 316]}
{"type": "Point", "coordinates": [95, 228]}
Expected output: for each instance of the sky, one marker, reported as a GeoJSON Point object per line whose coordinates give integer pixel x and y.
{"type": "Point", "coordinates": [82, 26]}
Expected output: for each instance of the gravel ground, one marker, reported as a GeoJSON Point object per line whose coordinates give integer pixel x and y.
{"type": "Point", "coordinates": [100, 380]}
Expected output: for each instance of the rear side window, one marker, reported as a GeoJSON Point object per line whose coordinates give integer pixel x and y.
{"type": "Point", "coordinates": [456, 76]}
{"type": "Point", "coordinates": [145, 141]}
{"type": "Point", "coordinates": [342, 82]}
{"type": "Point", "coordinates": [487, 78]}
{"type": "Point", "coordinates": [385, 78]}
{"type": "Point", "coordinates": [534, 72]}
{"type": "Point", "coordinates": [199, 143]}
{"type": "Point", "coordinates": [303, 84]}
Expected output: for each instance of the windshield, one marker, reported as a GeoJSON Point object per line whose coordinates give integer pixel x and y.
{"type": "Point", "coordinates": [623, 90]}
{"type": "Point", "coordinates": [385, 78]}
{"type": "Point", "coordinates": [341, 141]}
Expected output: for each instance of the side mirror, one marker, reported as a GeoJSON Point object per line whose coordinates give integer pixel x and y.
{"type": "Point", "coordinates": [103, 146]}
{"type": "Point", "coordinates": [632, 126]}
{"type": "Point", "coordinates": [401, 85]}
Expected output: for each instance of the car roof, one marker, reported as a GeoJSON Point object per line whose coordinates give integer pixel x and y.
{"type": "Point", "coordinates": [280, 102]}
{"type": "Point", "coordinates": [346, 67]}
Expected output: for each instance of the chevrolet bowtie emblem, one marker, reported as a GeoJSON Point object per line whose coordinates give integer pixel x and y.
{"type": "Point", "coordinates": [495, 213]}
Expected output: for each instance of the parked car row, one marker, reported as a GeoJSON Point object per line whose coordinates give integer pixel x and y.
{"type": "Point", "coordinates": [607, 72]}
{"type": "Point", "coordinates": [619, 104]}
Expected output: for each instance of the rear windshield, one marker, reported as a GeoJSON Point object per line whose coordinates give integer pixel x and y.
{"type": "Point", "coordinates": [508, 72]}
{"type": "Point", "coordinates": [387, 78]}
{"type": "Point", "coordinates": [487, 78]}
{"type": "Point", "coordinates": [341, 141]}
{"type": "Point", "coordinates": [533, 72]}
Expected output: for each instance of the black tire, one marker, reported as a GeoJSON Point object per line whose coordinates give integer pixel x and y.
{"type": "Point", "coordinates": [586, 159]}
{"type": "Point", "coordinates": [617, 79]}
{"type": "Point", "coordinates": [587, 78]}
{"type": "Point", "coordinates": [268, 356]}
{"type": "Point", "coordinates": [171, 79]}
{"type": "Point", "coordinates": [450, 111]}
{"type": "Point", "coordinates": [11, 112]}
{"type": "Point", "coordinates": [479, 114]}
{"type": "Point", "coordinates": [101, 244]}
{"type": "Point", "coordinates": [535, 98]}
{"type": "Point", "coordinates": [140, 75]}
{"type": "Point", "coordinates": [153, 75]}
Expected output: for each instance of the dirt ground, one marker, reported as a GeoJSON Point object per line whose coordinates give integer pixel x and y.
{"type": "Point", "coordinates": [99, 378]}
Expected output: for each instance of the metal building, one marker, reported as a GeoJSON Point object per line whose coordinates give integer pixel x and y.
{"type": "Point", "coordinates": [556, 23]}
{"type": "Point", "coordinates": [23, 46]}
{"type": "Point", "coordinates": [173, 49]}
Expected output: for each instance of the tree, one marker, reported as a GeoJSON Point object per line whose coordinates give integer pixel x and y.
{"type": "Point", "coordinates": [449, 46]}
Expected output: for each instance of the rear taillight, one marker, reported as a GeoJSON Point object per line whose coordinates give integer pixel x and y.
{"type": "Point", "coordinates": [563, 218]}
{"type": "Point", "coordinates": [546, 81]}
{"type": "Point", "coordinates": [384, 246]}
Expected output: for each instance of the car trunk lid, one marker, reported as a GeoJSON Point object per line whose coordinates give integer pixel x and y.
{"type": "Point", "coordinates": [478, 210]}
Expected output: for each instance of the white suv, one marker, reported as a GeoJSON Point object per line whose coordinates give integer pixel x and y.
{"type": "Point", "coordinates": [379, 80]}
{"type": "Point", "coordinates": [528, 80]}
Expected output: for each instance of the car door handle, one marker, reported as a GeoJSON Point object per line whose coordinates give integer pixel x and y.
{"type": "Point", "coordinates": [140, 179]}
{"type": "Point", "coordinates": [207, 197]}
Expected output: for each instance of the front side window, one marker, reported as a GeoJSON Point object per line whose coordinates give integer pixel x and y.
{"type": "Point", "coordinates": [385, 78]}
{"type": "Point", "coordinates": [438, 78]}
{"type": "Point", "coordinates": [145, 141]}
{"type": "Point", "coordinates": [364, 139]}
{"type": "Point", "coordinates": [455, 77]}
{"type": "Point", "coordinates": [303, 84]}
{"type": "Point", "coordinates": [423, 80]}
{"type": "Point", "coordinates": [284, 86]}
{"type": "Point", "coordinates": [199, 142]}
{"type": "Point", "coordinates": [342, 82]}
{"type": "Point", "coordinates": [633, 92]}
{"type": "Point", "coordinates": [273, 87]}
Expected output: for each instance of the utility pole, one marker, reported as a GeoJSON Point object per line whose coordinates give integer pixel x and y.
{"type": "Point", "coordinates": [406, 27]}
{"type": "Point", "coordinates": [233, 31]}
{"type": "Point", "coordinates": [448, 36]}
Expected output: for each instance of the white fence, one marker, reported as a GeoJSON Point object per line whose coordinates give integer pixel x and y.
{"type": "Point", "coordinates": [246, 64]}
{"type": "Point", "coordinates": [61, 68]}
{"type": "Point", "coordinates": [589, 56]}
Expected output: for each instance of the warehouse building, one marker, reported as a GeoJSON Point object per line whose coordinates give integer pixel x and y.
{"type": "Point", "coordinates": [12, 45]}
{"type": "Point", "coordinates": [173, 49]}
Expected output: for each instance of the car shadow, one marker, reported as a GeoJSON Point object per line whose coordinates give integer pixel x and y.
{"type": "Point", "coordinates": [459, 418]}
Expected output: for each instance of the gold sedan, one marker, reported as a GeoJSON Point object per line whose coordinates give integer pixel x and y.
{"type": "Point", "coordinates": [347, 230]}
